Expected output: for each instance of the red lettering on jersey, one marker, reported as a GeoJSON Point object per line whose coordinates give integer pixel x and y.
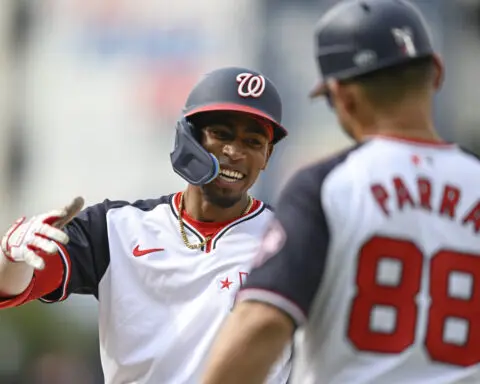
{"type": "Point", "coordinates": [380, 195]}
{"type": "Point", "coordinates": [242, 276]}
{"type": "Point", "coordinates": [473, 217]}
{"type": "Point", "coordinates": [425, 193]}
{"type": "Point", "coordinates": [403, 195]}
{"type": "Point", "coordinates": [450, 199]}
{"type": "Point", "coordinates": [422, 199]}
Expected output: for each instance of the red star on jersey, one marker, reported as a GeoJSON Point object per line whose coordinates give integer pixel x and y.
{"type": "Point", "coordinates": [416, 160]}
{"type": "Point", "coordinates": [226, 283]}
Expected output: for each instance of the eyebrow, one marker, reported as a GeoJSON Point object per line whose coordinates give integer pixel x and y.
{"type": "Point", "coordinates": [257, 128]}
{"type": "Point", "coordinates": [254, 127]}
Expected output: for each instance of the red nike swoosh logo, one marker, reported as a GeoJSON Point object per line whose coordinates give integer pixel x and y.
{"type": "Point", "coordinates": [142, 252]}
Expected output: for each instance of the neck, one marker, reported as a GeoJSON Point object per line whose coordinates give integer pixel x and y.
{"type": "Point", "coordinates": [408, 120]}
{"type": "Point", "coordinates": [199, 208]}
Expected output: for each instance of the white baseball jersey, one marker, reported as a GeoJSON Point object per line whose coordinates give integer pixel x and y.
{"type": "Point", "coordinates": [375, 254]}
{"type": "Point", "coordinates": [160, 303]}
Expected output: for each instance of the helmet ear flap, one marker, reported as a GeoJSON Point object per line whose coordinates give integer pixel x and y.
{"type": "Point", "coordinates": [194, 125]}
{"type": "Point", "coordinates": [189, 159]}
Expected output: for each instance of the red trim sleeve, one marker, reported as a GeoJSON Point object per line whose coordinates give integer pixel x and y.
{"type": "Point", "coordinates": [63, 278]}
{"type": "Point", "coordinates": [43, 282]}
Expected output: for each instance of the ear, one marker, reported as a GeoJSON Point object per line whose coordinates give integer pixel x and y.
{"type": "Point", "coordinates": [269, 153]}
{"type": "Point", "coordinates": [439, 72]}
{"type": "Point", "coordinates": [343, 96]}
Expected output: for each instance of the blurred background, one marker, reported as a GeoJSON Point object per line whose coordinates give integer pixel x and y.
{"type": "Point", "coordinates": [89, 94]}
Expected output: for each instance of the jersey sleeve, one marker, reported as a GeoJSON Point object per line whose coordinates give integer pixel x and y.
{"type": "Point", "coordinates": [291, 260]}
{"type": "Point", "coordinates": [86, 257]}
{"type": "Point", "coordinates": [77, 267]}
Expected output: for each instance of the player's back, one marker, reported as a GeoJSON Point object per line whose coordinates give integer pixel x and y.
{"type": "Point", "coordinates": [399, 300]}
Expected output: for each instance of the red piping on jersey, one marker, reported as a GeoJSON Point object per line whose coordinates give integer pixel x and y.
{"type": "Point", "coordinates": [417, 141]}
{"type": "Point", "coordinates": [210, 228]}
{"type": "Point", "coordinates": [68, 271]}
{"type": "Point", "coordinates": [62, 268]}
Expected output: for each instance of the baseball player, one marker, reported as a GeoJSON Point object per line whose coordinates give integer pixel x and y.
{"type": "Point", "coordinates": [164, 270]}
{"type": "Point", "coordinates": [374, 254]}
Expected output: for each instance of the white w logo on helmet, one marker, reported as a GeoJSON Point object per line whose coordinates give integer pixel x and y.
{"type": "Point", "coordinates": [250, 85]}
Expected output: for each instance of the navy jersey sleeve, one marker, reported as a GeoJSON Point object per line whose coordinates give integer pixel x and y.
{"type": "Point", "coordinates": [294, 249]}
{"type": "Point", "coordinates": [291, 260]}
{"type": "Point", "coordinates": [86, 257]}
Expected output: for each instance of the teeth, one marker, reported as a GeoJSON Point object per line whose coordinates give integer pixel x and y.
{"type": "Point", "coordinates": [227, 179]}
{"type": "Point", "coordinates": [232, 174]}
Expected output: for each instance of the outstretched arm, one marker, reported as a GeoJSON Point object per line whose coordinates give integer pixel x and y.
{"type": "Point", "coordinates": [71, 260]}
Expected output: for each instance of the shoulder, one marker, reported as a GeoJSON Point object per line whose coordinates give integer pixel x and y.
{"type": "Point", "coordinates": [143, 205]}
{"type": "Point", "coordinates": [471, 155]}
{"type": "Point", "coordinates": [268, 208]}
{"type": "Point", "coordinates": [101, 210]}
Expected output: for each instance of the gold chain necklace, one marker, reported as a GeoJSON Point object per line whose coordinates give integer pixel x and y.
{"type": "Point", "coordinates": [182, 228]}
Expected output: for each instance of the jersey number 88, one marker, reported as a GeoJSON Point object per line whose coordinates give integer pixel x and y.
{"type": "Point", "coordinates": [401, 297]}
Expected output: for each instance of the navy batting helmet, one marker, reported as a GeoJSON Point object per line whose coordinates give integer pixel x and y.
{"type": "Point", "coordinates": [225, 89]}
{"type": "Point", "coordinates": [357, 37]}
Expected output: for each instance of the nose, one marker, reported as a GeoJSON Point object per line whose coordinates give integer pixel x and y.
{"type": "Point", "coordinates": [234, 150]}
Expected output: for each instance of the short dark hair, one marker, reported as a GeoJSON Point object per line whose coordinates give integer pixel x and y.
{"type": "Point", "coordinates": [391, 85]}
